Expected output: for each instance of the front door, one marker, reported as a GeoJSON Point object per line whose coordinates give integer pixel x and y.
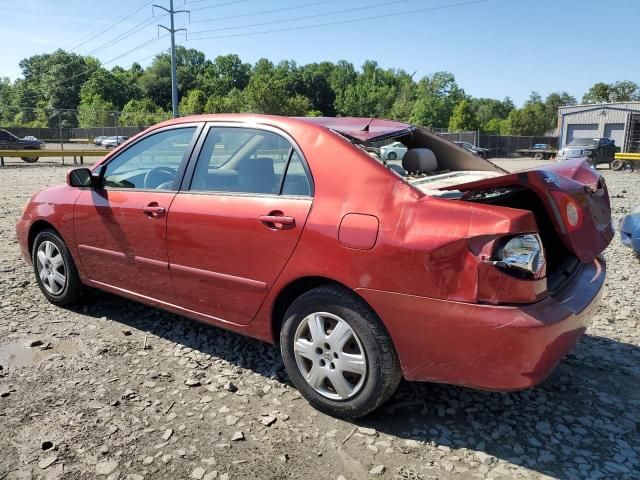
{"type": "Point", "coordinates": [233, 228]}
{"type": "Point", "coordinates": [121, 229]}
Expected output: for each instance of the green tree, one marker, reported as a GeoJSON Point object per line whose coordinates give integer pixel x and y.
{"type": "Point", "coordinates": [224, 74]}
{"type": "Point", "coordinates": [530, 119]}
{"type": "Point", "coordinates": [463, 117]}
{"type": "Point", "coordinates": [111, 87]}
{"type": "Point", "coordinates": [623, 91]}
{"type": "Point", "coordinates": [95, 112]}
{"type": "Point", "coordinates": [193, 102]}
{"type": "Point", "coordinates": [437, 95]}
{"type": "Point", "coordinates": [372, 94]}
{"type": "Point", "coordinates": [490, 112]}
{"type": "Point", "coordinates": [141, 113]}
{"type": "Point", "coordinates": [56, 78]}
{"type": "Point", "coordinates": [552, 103]}
{"type": "Point", "coordinates": [497, 126]}
{"type": "Point", "coordinates": [233, 102]}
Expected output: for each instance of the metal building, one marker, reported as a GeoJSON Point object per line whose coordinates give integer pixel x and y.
{"type": "Point", "coordinates": [609, 120]}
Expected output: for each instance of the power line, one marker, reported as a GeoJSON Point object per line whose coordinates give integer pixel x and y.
{"type": "Point", "coordinates": [341, 22]}
{"type": "Point", "coordinates": [233, 2]}
{"type": "Point", "coordinates": [138, 47]}
{"type": "Point", "coordinates": [91, 70]}
{"type": "Point", "coordinates": [110, 26]}
{"type": "Point", "coordinates": [305, 17]}
{"type": "Point", "coordinates": [126, 34]}
{"type": "Point", "coordinates": [264, 12]}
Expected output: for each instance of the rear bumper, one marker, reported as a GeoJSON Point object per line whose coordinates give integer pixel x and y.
{"type": "Point", "coordinates": [490, 347]}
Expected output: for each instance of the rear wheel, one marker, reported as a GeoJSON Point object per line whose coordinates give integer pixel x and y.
{"type": "Point", "coordinates": [55, 270]}
{"type": "Point", "coordinates": [392, 155]}
{"type": "Point", "coordinates": [337, 353]}
{"type": "Point", "coordinates": [538, 156]}
{"type": "Point", "coordinates": [30, 159]}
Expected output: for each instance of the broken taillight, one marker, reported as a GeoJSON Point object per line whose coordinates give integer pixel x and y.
{"type": "Point", "coordinates": [569, 210]}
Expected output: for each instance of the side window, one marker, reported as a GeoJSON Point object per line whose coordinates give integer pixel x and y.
{"type": "Point", "coordinates": [151, 163]}
{"type": "Point", "coordinates": [296, 181]}
{"type": "Point", "coordinates": [243, 160]}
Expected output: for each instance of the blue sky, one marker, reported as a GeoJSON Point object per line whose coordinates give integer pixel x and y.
{"type": "Point", "coordinates": [495, 48]}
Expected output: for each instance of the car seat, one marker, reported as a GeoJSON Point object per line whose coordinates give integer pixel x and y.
{"type": "Point", "coordinates": [419, 160]}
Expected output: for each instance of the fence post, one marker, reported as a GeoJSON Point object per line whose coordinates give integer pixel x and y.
{"type": "Point", "coordinates": [60, 130]}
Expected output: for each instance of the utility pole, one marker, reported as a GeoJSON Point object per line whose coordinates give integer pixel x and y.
{"type": "Point", "coordinates": [172, 30]}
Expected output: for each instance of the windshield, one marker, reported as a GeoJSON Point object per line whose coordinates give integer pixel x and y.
{"type": "Point", "coordinates": [582, 142]}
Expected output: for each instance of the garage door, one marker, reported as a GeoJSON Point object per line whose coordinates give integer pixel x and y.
{"type": "Point", "coordinates": [615, 131]}
{"type": "Point", "coordinates": [587, 130]}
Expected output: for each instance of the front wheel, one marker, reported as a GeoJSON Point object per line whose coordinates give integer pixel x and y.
{"type": "Point", "coordinates": [337, 353]}
{"type": "Point", "coordinates": [30, 159]}
{"type": "Point", "coordinates": [55, 270]}
{"type": "Point", "coordinates": [392, 155]}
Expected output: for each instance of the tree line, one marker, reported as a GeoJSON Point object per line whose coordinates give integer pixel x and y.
{"type": "Point", "coordinates": [78, 91]}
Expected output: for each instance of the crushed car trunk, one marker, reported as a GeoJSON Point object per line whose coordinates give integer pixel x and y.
{"type": "Point", "coordinates": [569, 199]}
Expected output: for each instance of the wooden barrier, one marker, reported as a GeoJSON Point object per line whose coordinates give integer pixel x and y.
{"type": "Point", "coordinates": [75, 153]}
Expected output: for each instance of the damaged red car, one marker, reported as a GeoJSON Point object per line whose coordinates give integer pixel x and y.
{"type": "Point", "coordinates": [444, 268]}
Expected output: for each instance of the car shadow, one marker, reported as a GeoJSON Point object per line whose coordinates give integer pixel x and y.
{"type": "Point", "coordinates": [582, 422]}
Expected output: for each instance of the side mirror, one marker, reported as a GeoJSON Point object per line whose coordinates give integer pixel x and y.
{"type": "Point", "coordinates": [83, 177]}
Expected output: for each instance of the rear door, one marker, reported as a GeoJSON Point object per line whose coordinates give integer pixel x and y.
{"type": "Point", "coordinates": [237, 220]}
{"type": "Point", "coordinates": [121, 229]}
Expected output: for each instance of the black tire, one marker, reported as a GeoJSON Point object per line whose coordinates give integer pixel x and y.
{"type": "Point", "coordinates": [617, 165]}
{"type": "Point", "coordinates": [383, 373]}
{"type": "Point", "coordinates": [30, 159]}
{"type": "Point", "coordinates": [538, 156]}
{"type": "Point", "coordinates": [73, 289]}
{"type": "Point", "coordinates": [392, 155]}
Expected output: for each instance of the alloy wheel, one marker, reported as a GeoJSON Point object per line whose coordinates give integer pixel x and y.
{"type": "Point", "coordinates": [330, 356]}
{"type": "Point", "coordinates": [51, 268]}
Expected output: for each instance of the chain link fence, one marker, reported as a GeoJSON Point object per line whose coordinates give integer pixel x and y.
{"type": "Point", "coordinates": [61, 126]}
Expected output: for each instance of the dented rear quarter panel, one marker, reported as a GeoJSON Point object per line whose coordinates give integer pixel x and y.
{"type": "Point", "coordinates": [421, 247]}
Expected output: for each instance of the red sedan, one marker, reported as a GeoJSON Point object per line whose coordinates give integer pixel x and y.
{"type": "Point", "coordinates": [441, 267]}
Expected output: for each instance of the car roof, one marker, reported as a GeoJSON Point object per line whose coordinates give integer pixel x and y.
{"type": "Point", "coordinates": [358, 128]}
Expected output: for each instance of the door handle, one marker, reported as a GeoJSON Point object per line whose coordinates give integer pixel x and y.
{"type": "Point", "coordinates": [277, 221]}
{"type": "Point", "coordinates": [153, 210]}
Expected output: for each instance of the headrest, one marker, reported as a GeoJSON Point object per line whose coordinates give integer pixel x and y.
{"type": "Point", "coordinates": [419, 160]}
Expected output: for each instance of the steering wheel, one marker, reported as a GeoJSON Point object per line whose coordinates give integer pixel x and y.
{"type": "Point", "coordinates": [158, 176]}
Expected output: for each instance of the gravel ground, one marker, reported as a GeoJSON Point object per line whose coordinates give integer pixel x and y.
{"type": "Point", "coordinates": [115, 389]}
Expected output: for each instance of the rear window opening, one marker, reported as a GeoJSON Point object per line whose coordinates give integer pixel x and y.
{"type": "Point", "coordinates": [429, 162]}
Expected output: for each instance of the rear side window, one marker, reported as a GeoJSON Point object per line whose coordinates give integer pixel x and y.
{"type": "Point", "coordinates": [247, 160]}
{"type": "Point", "coordinates": [296, 181]}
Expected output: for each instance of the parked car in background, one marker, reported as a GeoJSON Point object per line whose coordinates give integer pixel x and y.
{"type": "Point", "coordinates": [111, 142]}
{"type": "Point", "coordinates": [98, 140]}
{"type": "Point", "coordinates": [595, 150]}
{"type": "Point", "coordinates": [35, 139]}
{"type": "Point", "coordinates": [540, 151]}
{"type": "Point", "coordinates": [393, 151]}
{"type": "Point", "coordinates": [455, 272]}
{"type": "Point", "coordinates": [482, 152]}
{"type": "Point", "coordinates": [630, 230]}
{"type": "Point", "coordinates": [8, 141]}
